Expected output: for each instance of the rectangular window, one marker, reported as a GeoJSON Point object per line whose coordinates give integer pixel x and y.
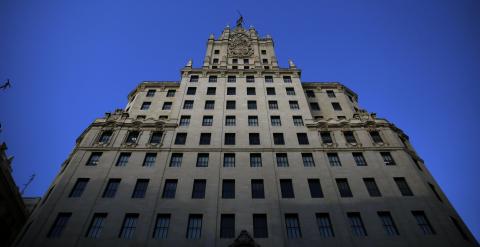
{"type": "Point", "coordinates": [181, 138]}
{"type": "Point", "coordinates": [356, 224]}
{"type": "Point", "coordinates": [254, 138]}
{"type": "Point", "coordinates": [292, 225]}
{"type": "Point", "coordinates": [215, 60]}
{"type": "Point", "coordinates": [255, 160]}
{"type": "Point", "coordinates": [250, 78]}
{"type": "Point", "coordinates": [359, 159]}
{"type": "Point", "coordinates": [198, 191]}
{"type": "Point", "coordinates": [212, 78]}
{"type": "Point", "coordinates": [343, 187]}
{"type": "Point", "coordinates": [105, 137]}
{"type": "Point", "coordinates": [272, 105]}
{"type": "Point", "coordinates": [278, 139]}
{"type": "Point", "coordinates": [145, 105]}
{"type": "Point", "coordinates": [252, 121]}
{"type": "Point", "coordinates": [207, 121]}
{"type": "Point", "coordinates": [184, 121]}
{"type": "Point", "coordinates": [275, 121]}
{"type": "Point", "coordinates": [167, 106]}
{"type": "Point", "coordinates": [231, 78]}
{"type": "Point", "coordinates": [423, 223]}
{"type": "Point", "coordinates": [96, 225]}
{"type": "Point", "coordinates": [251, 91]}
{"type": "Point", "coordinates": [170, 188]}
{"type": "Point", "coordinates": [268, 78]}
{"type": "Point", "coordinates": [205, 138]}
{"type": "Point", "coordinates": [349, 137]}
{"type": "Point", "coordinates": [314, 106]}
{"type": "Point", "coordinates": [140, 188]}
{"type": "Point", "coordinates": [388, 223]}
{"type": "Point", "coordinates": [376, 137]}
{"type": "Point", "coordinates": [230, 105]}
{"type": "Point", "coordinates": [170, 93]}
{"type": "Point", "coordinates": [387, 158]}
{"type": "Point", "coordinates": [188, 104]}
{"type": "Point", "coordinates": [260, 226]}
{"type": "Point", "coordinates": [111, 188]}
{"type": "Point", "coordinates": [231, 91]}
{"type": "Point", "coordinates": [324, 225]}
{"type": "Point", "coordinates": [331, 94]}
{"type": "Point", "coordinates": [228, 189]}
{"type": "Point", "coordinates": [403, 186]}
{"type": "Point", "coordinates": [307, 159]}
{"type": "Point", "coordinates": [302, 139]}
{"type": "Point", "coordinates": [209, 104]}
{"type": "Point", "coordinates": [132, 137]}
{"type": "Point", "coordinates": [216, 51]}
{"type": "Point", "coordinates": [297, 121]}
{"type": "Point", "coordinates": [59, 225]}
{"type": "Point", "coordinates": [229, 160]}
{"type": "Point", "coordinates": [129, 226]}
{"type": "Point", "coordinates": [264, 52]}
{"type": "Point", "coordinates": [270, 91]}
{"type": "Point", "coordinates": [176, 160]}
{"type": "Point", "coordinates": [79, 187]}
{"type": "Point", "coordinates": [156, 137]}
{"type": "Point", "coordinates": [161, 226]}
{"type": "Point", "coordinates": [252, 105]}
{"type": "Point", "coordinates": [333, 159]}
{"type": "Point", "coordinates": [287, 79]}
{"type": "Point", "coordinates": [123, 159]}
{"type": "Point", "coordinates": [230, 121]}
{"type": "Point", "coordinates": [282, 159]}
{"type": "Point", "coordinates": [293, 105]}
{"type": "Point", "coordinates": [227, 226]}
{"type": "Point", "coordinates": [194, 78]}
{"type": "Point", "coordinates": [290, 91]}
{"type": "Point", "coordinates": [151, 93]}
{"type": "Point", "coordinates": [202, 160]}
{"type": "Point", "coordinates": [372, 187]}
{"type": "Point", "coordinates": [326, 137]}
{"type": "Point", "coordinates": [211, 91]}
{"type": "Point", "coordinates": [315, 188]}
{"type": "Point", "coordinates": [229, 138]}
{"type": "Point", "coordinates": [257, 189]}
{"type": "Point", "coordinates": [286, 188]}
{"type": "Point", "coordinates": [310, 93]}
{"type": "Point", "coordinates": [336, 106]}
{"type": "Point", "coordinates": [149, 159]}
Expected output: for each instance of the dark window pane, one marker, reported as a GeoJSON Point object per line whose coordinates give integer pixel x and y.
{"type": "Point", "coordinates": [96, 225]}
{"type": "Point", "coordinates": [111, 188]}
{"type": "Point", "coordinates": [198, 191]}
{"type": "Point", "coordinates": [286, 188]}
{"type": "Point", "coordinates": [227, 226]}
{"type": "Point", "coordinates": [356, 224]}
{"type": "Point", "coordinates": [79, 187]}
{"type": "Point", "coordinates": [257, 189]}
{"type": "Point", "coordinates": [129, 226]}
{"type": "Point", "coordinates": [170, 188]}
{"type": "Point", "coordinates": [194, 228]}
{"type": "Point", "coordinates": [315, 188]}
{"type": "Point", "coordinates": [260, 227]}
{"type": "Point", "coordinates": [343, 187]}
{"type": "Point", "coordinates": [59, 225]}
{"type": "Point", "coordinates": [324, 225]}
{"type": "Point", "coordinates": [228, 189]}
{"type": "Point", "coordinates": [372, 187]}
{"type": "Point", "coordinates": [292, 225]}
{"type": "Point", "coordinates": [161, 226]}
{"type": "Point", "coordinates": [140, 188]}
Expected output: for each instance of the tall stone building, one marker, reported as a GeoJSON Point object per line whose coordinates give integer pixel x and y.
{"type": "Point", "coordinates": [240, 152]}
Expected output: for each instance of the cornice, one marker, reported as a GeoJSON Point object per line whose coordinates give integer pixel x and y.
{"type": "Point", "coordinates": [153, 84]}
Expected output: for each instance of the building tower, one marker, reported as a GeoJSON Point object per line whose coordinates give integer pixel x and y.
{"type": "Point", "coordinates": [240, 152]}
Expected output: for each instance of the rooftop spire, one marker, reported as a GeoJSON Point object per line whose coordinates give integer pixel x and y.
{"type": "Point", "coordinates": [240, 20]}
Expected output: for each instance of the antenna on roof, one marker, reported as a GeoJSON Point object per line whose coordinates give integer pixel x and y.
{"type": "Point", "coordinates": [240, 20]}
{"type": "Point", "coordinates": [25, 186]}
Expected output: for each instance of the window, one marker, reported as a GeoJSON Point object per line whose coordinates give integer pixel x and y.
{"type": "Point", "coordinates": [227, 226]}
{"type": "Point", "coordinates": [435, 192]}
{"type": "Point", "coordinates": [372, 187]}
{"type": "Point", "coordinates": [202, 160]}
{"type": "Point", "coordinates": [181, 138]}
{"type": "Point", "coordinates": [132, 137]}
{"type": "Point", "coordinates": [245, 60]}
{"type": "Point", "coordinates": [376, 137]}
{"type": "Point", "coordinates": [252, 121]}
{"type": "Point", "coordinates": [290, 91]}
{"type": "Point", "coordinates": [251, 91]}
{"type": "Point", "coordinates": [111, 188]}
{"type": "Point", "coordinates": [250, 78]}
{"type": "Point", "coordinates": [257, 189]}
{"type": "Point", "coordinates": [228, 189]}
{"type": "Point", "coordinates": [324, 225]}
{"type": "Point", "coordinates": [231, 91]}
{"type": "Point", "coordinates": [286, 188]}
{"type": "Point", "coordinates": [275, 121]}
{"type": "Point", "coordinates": [278, 139]}
{"type": "Point", "coordinates": [229, 160]}
{"type": "Point", "coordinates": [156, 137]}
{"type": "Point", "coordinates": [94, 158]}
{"type": "Point", "coordinates": [188, 104]}
{"type": "Point", "coordinates": [388, 223]}
{"type": "Point", "coordinates": [310, 93]}
{"type": "Point", "coordinates": [260, 226]}
{"type": "Point", "coordinates": [194, 78]}
{"type": "Point", "coordinates": [331, 94]}
{"type": "Point", "coordinates": [184, 121]}
{"type": "Point", "coordinates": [212, 78]}
{"type": "Point", "coordinates": [297, 120]}
{"type": "Point", "coordinates": [211, 91]}
{"type": "Point", "coordinates": [170, 188]}
{"type": "Point", "coordinates": [287, 79]}
{"type": "Point", "coordinates": [151, 93]}
{"type": "Point", "coordinates": [123, 159]}
{"type": "Point", "coordinates": [230, 121]}
{"type": "Point", "coordinates": [145, 105]}
{"type": "Point", "coordinates": [141, 117]}
{"type": "Point", "coordinates": [176, 160]}
{"type": "Point", "coordinates": [356, 224]}
{"type": "Point", "coordinates": [293, 226]}
{"type": "Point", "coordinates": [161, 226]}
{"type": "Point", "coordinates": [149, 159]}
{"type": "Point", "coordinates": [235, 61]}
{"type": "Point", "coordinates": [230, 105]}
{"type": "Point", "coordinates": [198, 191]}
{"type": "Point", "coordinates": [315, 188]}
{"type": "Point", "coordinates": [216, 51]}
{"type": "Point", "coordinates": [96, 225]}
{"type": "Point", "coordinates": [359, 159]}
{"type": "Point", "coordinates": [194, 228]}
{"type": "Point", "coordinates": [387, 158]}
{"type": "Point", "coordinates": [170, 93]}
{"type": "Point", "coordinates": [79, 187]}
{"type": "Point", "coordinates": [282, 159]}
{"type": "Point", "coordinates": [229, 138]}
{"type": "Point", "coordinates": [264, 52]}
{"type": "Point", "coordinates": [205, 138]}
{"type": "Point", "coordinates": [423, 223]}
{"type": "Point", "coordinates": [254, 138]}
{"type": "Point", "coordinates": [272, 105]}
{"type": "Point", "coordinates": [231, 78]}
{"type": "Point", "coordinates": [336, 106]}
{"type": "Point", "coordinates": [333, 159]}
{"type": "Point", "coordinates": [140, 188]}
{"type": "Point", "coordinates": [308, 160]}
{"type": "Point", "coordinates": [268, 78]}
{"type": "Point", "coordinates": [326, 137]}
{"type": "Point", "coordinates": [207, 121]}
{"type": "Point", "coordinates": [252, 105]}
{"type": "Point", "coordinates": [167, 106]}
{"type": "Point", "coordinates": [215, 60]}
{"type": "Point", "coordinates": [264, 61]}
{"type": "Point", "coordinates": [293, 105]}
{"type": "Point", "coordinates": [129, 226]}
{"type": "Point", "coordinates": [270, 91]}
{"type": "Point", "coordinates": [403, 186]}
{"type": "Point", "coordinates": [255, 160]}
{"type": "Point", "coordinates": [302, 139]}
{"type": "Point", "coordinates": [209, 104]}
{"type": "Point", "coordinates": [314, 106]}
{"type": "Point", "coordinates": [105, 137]}
{"type": "Point", "coordinates": [459, 228]}
{"type": "Point", "coordinates": [59, 225]}
{"type": "Point", "coordinates": [343, 187]}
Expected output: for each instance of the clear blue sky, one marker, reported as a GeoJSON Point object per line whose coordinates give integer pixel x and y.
{"type": "Point", "coordinates": [414, 62]}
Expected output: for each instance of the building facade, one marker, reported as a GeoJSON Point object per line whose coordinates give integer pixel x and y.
{"type": "Point", "coordinates": [240, 152]}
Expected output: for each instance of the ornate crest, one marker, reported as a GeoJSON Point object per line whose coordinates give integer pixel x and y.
{"type": "Point", "coordinates": [244, 240]}
{"type": "Point", "coordinates": [239, 44]}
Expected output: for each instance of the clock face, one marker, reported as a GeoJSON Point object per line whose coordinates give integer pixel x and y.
{"type": "Point", "coordinates": [239, 45]}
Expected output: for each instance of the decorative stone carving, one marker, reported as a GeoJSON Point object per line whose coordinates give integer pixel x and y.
{"type": "Point", "coordinates": [244, 240]}
{"type": "Point", "coordinates": [239, 44]}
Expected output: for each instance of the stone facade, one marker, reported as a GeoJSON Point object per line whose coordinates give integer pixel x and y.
{"type": "Point", "coordinates": [240, 152]}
